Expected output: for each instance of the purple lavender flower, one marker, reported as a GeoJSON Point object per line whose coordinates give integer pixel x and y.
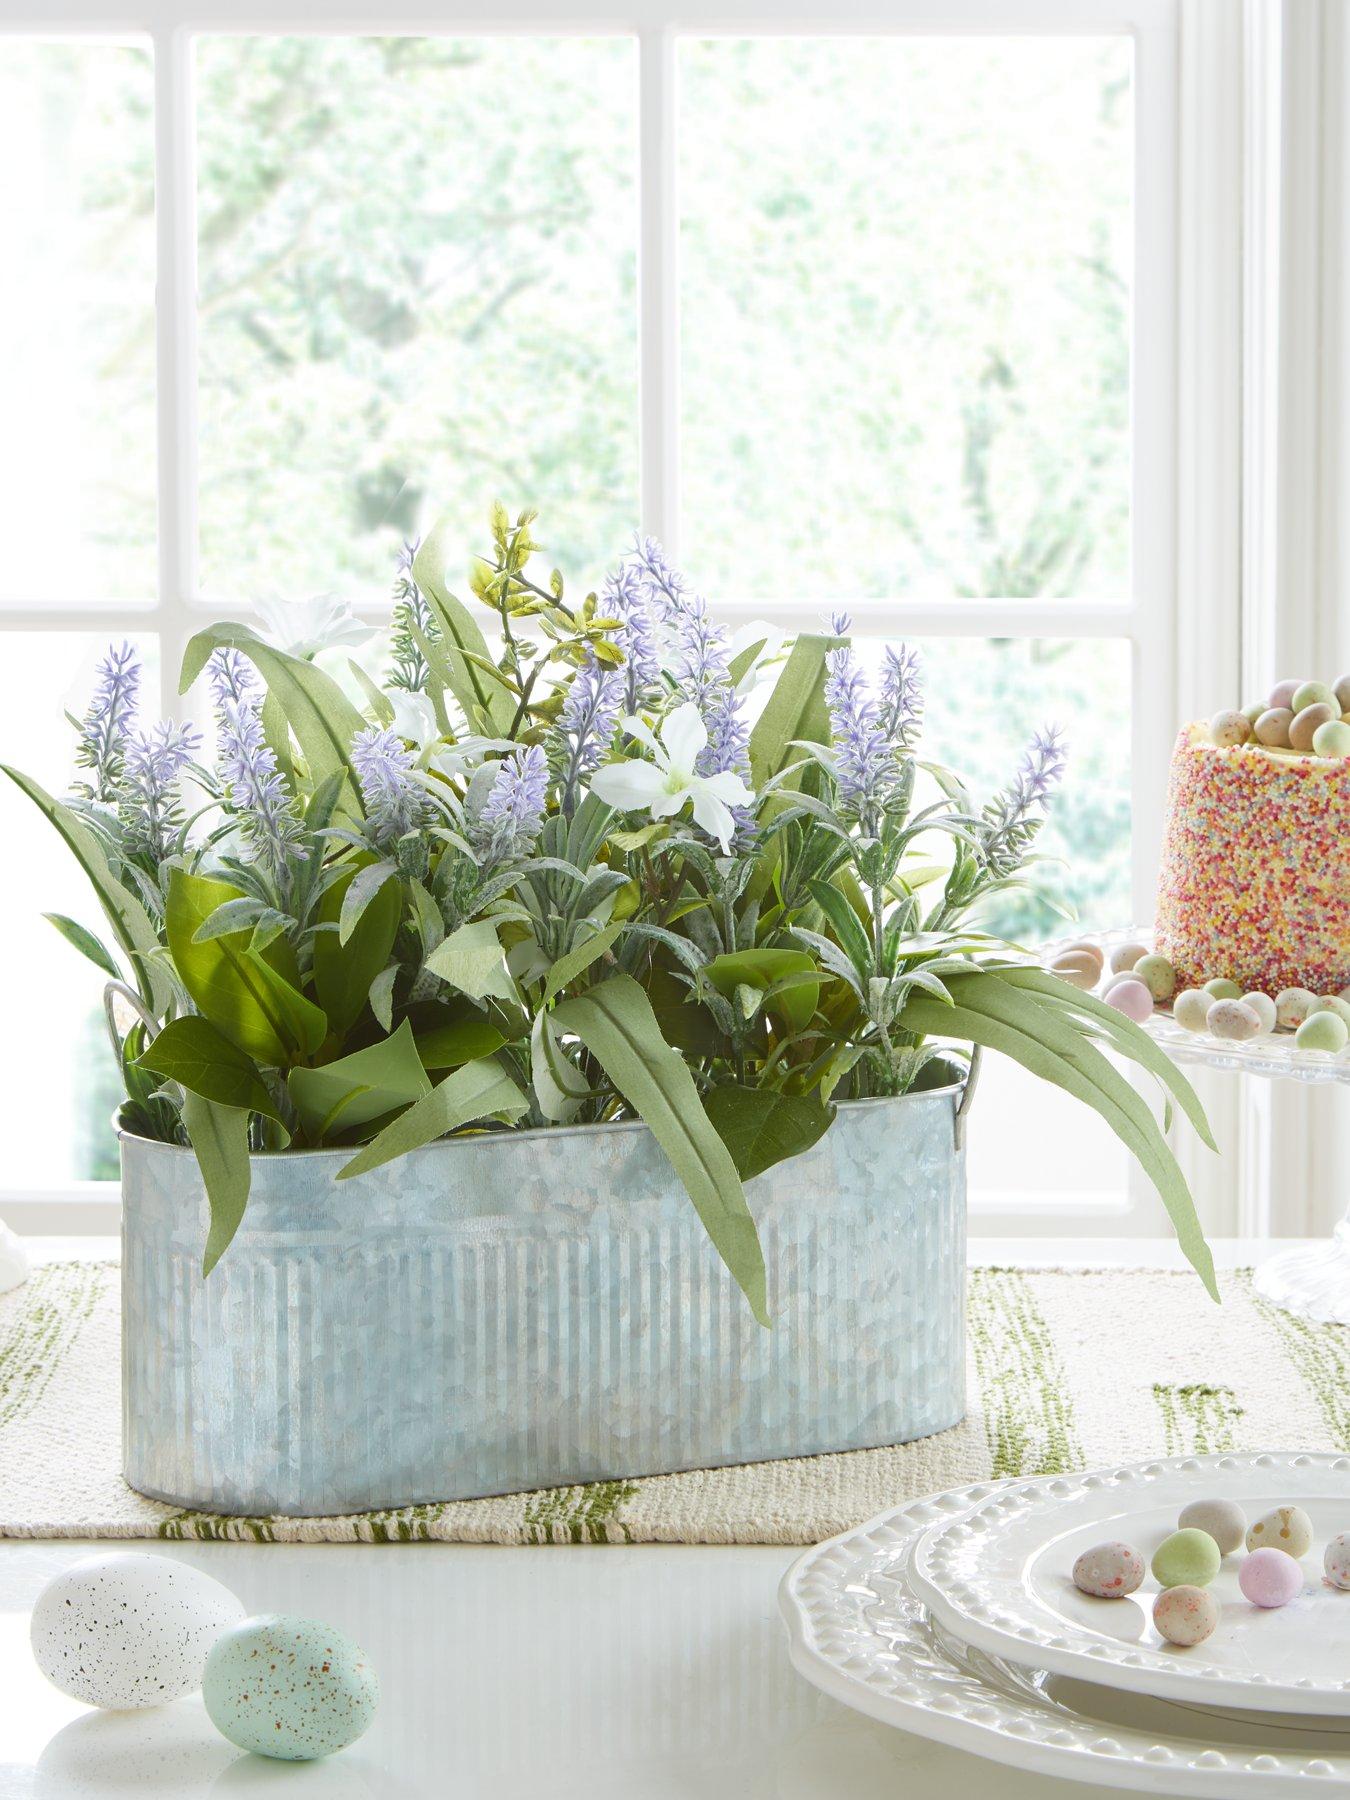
{"type": "Point", "coordinates": [104, 728]}
{"type": "Point", "coordinates": [840, 623]}
{"type": "Point", "coordinates": [627, 598]}
{"type": "Point", "coordinates": [230, 676]}
{"type": "Point", "coordinates": [902, 697]}
{"type": "Point", "coordinates": [663, 584]}
{"type": "Point", "coordinates": [865, 762]}
{"type": "Point", "coordinates": [147, 794]}
{"type": "Point", "coordinates": [257, 795]}
{"type": "Point", "coordinates": [586, 724]}
{"type": "Point", "coordinates": [1012, 818]}
{"type": "Point", "coordinates": [394, 803]}
{"type": "Point", "coordinates": [701, 659]}
{"type": "Point", "coordinates": [513, 813]}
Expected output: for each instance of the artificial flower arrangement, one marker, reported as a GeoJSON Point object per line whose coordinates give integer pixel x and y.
{"type": "Point", "coordinates": [617, 870]}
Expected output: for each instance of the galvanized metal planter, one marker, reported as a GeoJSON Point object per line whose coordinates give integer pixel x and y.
{"type": "Point", "coordinates": [533, 1309]}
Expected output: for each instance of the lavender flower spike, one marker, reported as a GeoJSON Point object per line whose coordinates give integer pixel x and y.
{"type": "Point", "coordinates": [147, 797]}
{"type": "Point", "coordinates": [513, 813]}
{"type": "Point", "coordinates": [256, 792]}
{"type": "Point", "coordinates": [395, 804]}
{"type": "Point", "coordinates": [902, 697]}
{"type": "Point", "coordinates": [865, 762]}
{"type": "Point", "coordinates": [104, 728]}
{"type": "Point", "coordinates": [586, 724]}
{"type": "Point", "coordinates": [1014, 817]}
{"type": "Point", "coordinates": [626, 597]}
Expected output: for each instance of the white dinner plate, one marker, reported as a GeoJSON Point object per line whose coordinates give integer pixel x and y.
{"type": "Point", "coordinates": [999, 1577]}
{"type": "Point", "coordinates": [857, 1630]}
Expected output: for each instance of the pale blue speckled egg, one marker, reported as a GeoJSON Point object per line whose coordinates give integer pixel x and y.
{"type": "Point", "coordinates": [289, 1687]}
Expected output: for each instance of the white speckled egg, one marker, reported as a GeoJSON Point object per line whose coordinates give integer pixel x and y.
{"type": "Point", "coordinates": [1232, 1019]}
{"type": "Point", "coordinates": [1292, 1006]}
{"type": "Point", "coordinates": [1224, 1520]}
{"type": "Point", "coordinates": [1331, 1003]}
{"type": "Point", "coordinates": [1185, 1616]}
{"type": "Point", "coordinates": [1264, 1008]}
{"type": "Point", "coordinates": [1228, 729]}
{"type": "Point", "coordinates": [1191, 1009]}
{"type": "Point", "coordinates": [1108, 1571]}
{"type": "Point", "coordinates": [1125, 956]}
{"type": "Point", "coordinates": [129, 1629]}
{"type": "Point", "coordinates": [1286, 1528]}
{"type": "Point", "coordinates": [1078, 971]}
{"type": "Point", "coordinates": [290, 1688]}
{"type": "Point", "coordinates": [1336, 1560]}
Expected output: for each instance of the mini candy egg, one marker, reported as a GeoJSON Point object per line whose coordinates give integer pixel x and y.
{"type": "Point", "coordinates": [1336, 1561]}
{"type": "Point", "coordinates": [1109, 1571]}
{"type": "Point", "coordinates": [1185, 1615]}
{"type": "Point", "coordinates": [1227, 729]}
{"type": "Point", "coordinates": [1313, 693]}
{"type": "Point", "coordinates": [1306, 724]}
{"type": "Point", "coordinates": [1219, 987]}
{"type": "Point", "coordinates": [1332, 740]}
{"type": "Point", "coordinates": [1287, 1528]}
{"type": "Point", "coordinates": [1322, 1031]}
{"type": "Point", "coordinates": [1232, 1019]}
{"type": "Point", "coordinates": [1132, 998]}
{"type": "Point", "coordinates": [290, 1688]}
{"type": "Point", "coordinates": [1342, 693]}
{"type": "Point", "coordinates": [1270, 1578]}
{"type": "Point", "coordinates": [1125, 956]}
{"type": "Point", "coordinates": [1076, 971]}
{"type": "Point", "coordinates": [1282, 694]}
{"type": "Point", "coordinates": [1188, 1558]}
{"type": "Point", "coordinates": [1090, 953]}
{"type": "Point", "coordinates": [1157, 975]}
{"type": "Point", "coordinates": [1191, 1009]}
{"type": "Point", "coordinates": [1253, 712]}
{"type": "Point", "coordinates": [1331, 1003]}
{"type": "Point", "coordinates": [1272, 728]}
{"type": "Point", "coordinates": [129, 1630]}
{"type": "Point", "coordinates": [1264, 1008]}
{"type": "Point", "coordinates": [1292, 1006]}
{"type": "Point", "coordinates": [1224, 1520]}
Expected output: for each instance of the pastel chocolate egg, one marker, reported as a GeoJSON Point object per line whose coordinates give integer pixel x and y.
{"type": "Point", "coordinates": [1270, 1578]}
{"type": "Point", "coordinates": [1313, 693]}
{"type": "Point", "coordinates": [1224, 1520]}
{"type": "Point", "coordinates": [1336, 1560]}
{"type": "Point", "coordinates": [289, 1688]}
{"type": "Point", "coordinates": [1272, 728]}
{"type": "Point", "coordinates": [1286, 1528]}
{"type": "Point", "coordinates": [1292, 1006]}
{"type": "Point", "coordinates": [1331, 1003]}
{"type": "Point", "coordinates": [1125, 956]}
{"type": "Point", "coordinates": [1342, 693]}
{"type": "Point", "coordinates": [1219, 987]}
{"type": "Point", "coordinates": [1092, 953]}
{"type": "Point", "coordinates": [1188, 1558]}
{"type": "Point", "coordinates": [1109, 1571]}
{"type": "Point", "coordinates": [1306, 724]}
{"type": "Point", "coordinates": [1228, 729]}
{"type": "Point", "coordinates": [1282, 694]}
{"type": "Point", "coordinates": [1332, 740]}
{"type": "Point", "coordinates": [1077, 972]}
{"type": "Point", "coordinates": [1253, 712]}
{"type": "Point", "coordinates": [1157, 975]}
{"type": "Point", "coordinates": [1264, 1008]}
{"type": "Point", "coordinates": [1322, 1031]}
{"type": "Point", "coordinates": [1232, 1019]}
{"type": "Point", "coordinates": [1132, 998]}
{"type": "Point", "coordinates": [1191, 1009]}
{"type": "Point", "coordinates": [1185, 1615]}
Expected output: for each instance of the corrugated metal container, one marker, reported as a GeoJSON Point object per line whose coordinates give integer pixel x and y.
{"type": "Point", "coordinates": [532, 1309]}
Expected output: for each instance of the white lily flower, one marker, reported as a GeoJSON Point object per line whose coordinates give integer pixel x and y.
{"type": "Point", "coordinates": [414, 717]}
{"type": "Point", "coordinates": [304, 627]}
{"type": "Point", "coordinates": [663, 785]}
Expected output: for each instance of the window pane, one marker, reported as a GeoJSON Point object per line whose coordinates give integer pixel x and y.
{"type": "Point", "coordinates": [56, 1065]}
{"type": "Point", "coordinates": [77, 286]}
{"type": "Point", "coordinates": [416, 267]}
{"type": "Point", "coordinates": [906, 267]}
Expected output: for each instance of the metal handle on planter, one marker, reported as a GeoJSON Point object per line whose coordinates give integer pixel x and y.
{"type": "Point", "coordinates": [118, 990]}
{"type": "Point", "coordinates": [967, 1094]}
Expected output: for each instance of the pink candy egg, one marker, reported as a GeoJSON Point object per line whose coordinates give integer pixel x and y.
{"type": "Point", "coordinates": [1270, 1578]}
{"type": "Point", "coordinates": [1336, 1562]}
{"type": "Point", "coordinates": [1132, 998]}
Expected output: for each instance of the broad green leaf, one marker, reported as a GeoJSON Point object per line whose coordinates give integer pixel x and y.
{"type": "Point", "coordinates": [559, 1086]}
{"type": "Point", "coordinates": [219, 1135]}
{"type": "Point", "coordinates": [471, 960]}
{"type": "Point", "coordinates": [345, 971]}
{"type": "Point", "coordinates": [358, 1088]}
{"type": "Point", "coordinates": [480, 1090]}
{"type": "Point", "coordinates": [382, 995]}
{"type": "Point", "coordinates": [235, 987]}
{"type": "Point", "coordinates": [578, 959]}
{"type": "Point", "coordinates": [86, 943]}
{"type": "Point", "coordinates": [358, 893]}
{"type": "Point", "coordinates": [458, 1041]}
{"type": "Point", "coordinates": [795, 710]}
{"type": "Point", "coordinates": [460, 639]}
{"type": "Point", "coordinates": [129, 920]}
{"type": "Point", "coordinates": [761, 969]}
{"type": "Point", "coordinates": [616, 1023]}
{"type": "Point", "coordinates": [191, 1051]}
{"type": "Point", "coordinates": [761, 1127]}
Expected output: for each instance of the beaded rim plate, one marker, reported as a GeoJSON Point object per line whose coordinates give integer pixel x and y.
{"type": "Point", "coordinates": [857, 1631]}
{"type": "Point", "coordinates": [999, 1576]}
{"type": "Point", "coordinates": [1275, 1054]}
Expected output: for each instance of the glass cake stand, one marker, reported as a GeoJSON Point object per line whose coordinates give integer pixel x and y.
{"type": "Point", "coordinates": [1312, 1281]}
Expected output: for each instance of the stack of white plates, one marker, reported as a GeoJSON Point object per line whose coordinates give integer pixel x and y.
{"type": "Point", "coordinates": [957, 1618]}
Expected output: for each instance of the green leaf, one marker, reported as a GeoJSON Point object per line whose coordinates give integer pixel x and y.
{"type": "Point", "coordinates": [559, 1086]}
{"type": "Point", "coordinates": [346, 969]}
{"type": "Point", "coordinates": [86, 943]}
{"type": "Point", "coordinates": [458, 1041]}
{"type": "Point", "coordinates": [358, 893]}
{"type": "Point", "coordinates": [847, 925]}
{"type": "Point", "coordinates": [616, 1023]}
{"type": "Point", "coordinates": [471, 960]}
{"type": "Point", "coordinates": [761, 969]}
{"type": "Point", "coordinates": [358, 1088]}
{"type": "Point", "coordinates": [460, 637]}
{"type": "Point", "coordinates": [129, 920]}
{"type": "Point", "coordinates": [761, 1127]}
{"type": "Point", "coordinates": [191, 1051]}
{"type": "Point", "coordinates": [578, 959]}
{"type": "Point", "coordinates": [795, 711]}
{"type": "Point", "coordinates": [480, 1090]}
{"type": "Point", "coordinates": [235, 987]}
{"type": "Point", "coordinates": [219, 1135]}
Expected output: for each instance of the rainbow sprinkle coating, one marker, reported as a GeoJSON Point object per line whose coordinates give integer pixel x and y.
{"type": "Point", "coordinates": [1255, 875]}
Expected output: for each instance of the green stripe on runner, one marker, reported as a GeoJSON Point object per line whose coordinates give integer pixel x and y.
{"type": "Point", "coordinates": [1197, 1420]}
{"type": "Point", "coordinates": [55, 1302]}
{"type": "Point", "coordinates": [578, 1515]}
{"type": "Point", "coordinates": [1320, 1356]}
{"type": "Point", "coordinates": [1023, 1386]}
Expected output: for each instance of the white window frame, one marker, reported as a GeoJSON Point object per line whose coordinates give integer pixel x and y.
{"type": "Point", "coordinates": [1146, 618]}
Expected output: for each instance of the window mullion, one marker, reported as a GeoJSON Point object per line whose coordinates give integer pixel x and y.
{"type": "Point", "coordinates": [658, 330]}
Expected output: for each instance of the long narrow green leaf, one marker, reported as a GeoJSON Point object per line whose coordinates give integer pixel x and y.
{"type": "Point", "coordinates": [219, 1135]}
{"type": "Point", "coordinates": [460, 637]}
{"type": "Point", "coordinates": [578, 960]}
{"type": "Point", "coordinates": [86, 943]}
{"type": "Point", "coordinates": [795, 709]}
{"type": "Point", "coordinates": [848, 927]}
{"type": "Point", "coordinates": [480, 1090]}
{"type": "Point", "coordinates": [616, 1023]}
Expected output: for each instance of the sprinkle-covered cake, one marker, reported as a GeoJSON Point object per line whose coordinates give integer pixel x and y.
{"type": "Point", "coordinates": [1255, 877]}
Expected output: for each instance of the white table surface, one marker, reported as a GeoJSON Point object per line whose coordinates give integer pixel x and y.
{"type": "Point", "coordinates": [646, 1672]}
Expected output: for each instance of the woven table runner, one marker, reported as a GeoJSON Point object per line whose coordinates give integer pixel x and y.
{"type": "Point", "coordinates": [1068, 1369]}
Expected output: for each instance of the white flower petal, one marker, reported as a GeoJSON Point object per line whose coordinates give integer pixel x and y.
{"type": "Point", "coordinates": [627, 785]}
{"type": "Point", "coordinates": [727, 787]}
{"type": "Point", "coordinates": [667, 804]}
{"type": "Point", "coordinates": [684, 734]}
{"type": "Point", "coordinates": [715, 818]}
{"type": "Point", "coordinates": [414, 717]}
{"type": "Point", "coordinates": [642, 731]}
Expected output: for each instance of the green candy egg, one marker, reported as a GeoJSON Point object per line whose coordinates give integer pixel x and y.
{"type": "Point", "coordinates": [1157, 975]}
{"type": "Point", "coordinates": [1322, 1031]}
{"type": "Point", "coordinates": [1332, 740]}
{"type": "Point", "coordinates": [1188, 1558]}
{"type": "Point", "coordinates": [1253, 712]}
{"type": "Point", "coordinates": [289, 1688]}
{"type": "Point", "coordinates": [1219, 987]}
{"type": "Point", "coordinates": [1313, 693]}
